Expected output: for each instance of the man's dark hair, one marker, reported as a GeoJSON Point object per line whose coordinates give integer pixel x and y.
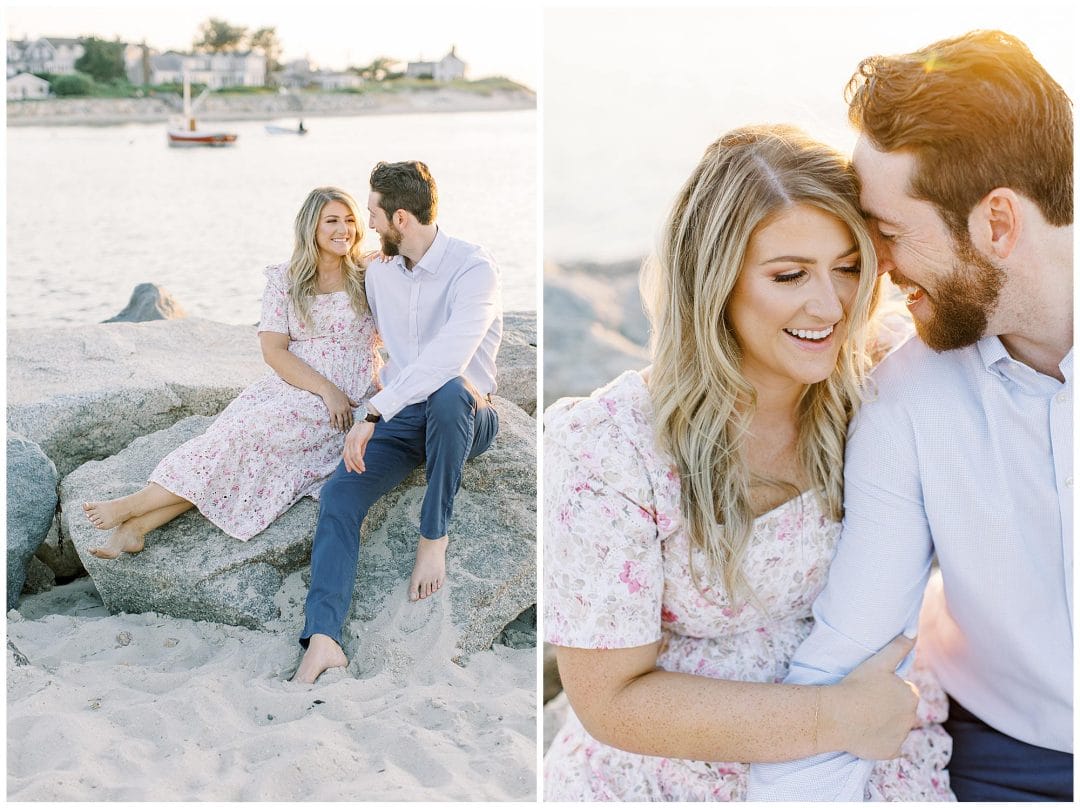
{"type": "Point", "coordinates": [406, 186]}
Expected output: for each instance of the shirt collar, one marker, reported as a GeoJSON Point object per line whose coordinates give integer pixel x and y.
{"type": "Point", "coordinates": [434, 255]}
{"type": "Point", "coordinates": [997, 361]}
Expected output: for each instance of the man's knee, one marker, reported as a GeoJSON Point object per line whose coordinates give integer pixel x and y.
{"type": "Point", "coordinates": [452, 400]}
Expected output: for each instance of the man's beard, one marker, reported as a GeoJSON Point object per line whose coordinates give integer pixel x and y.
{"type": "Point", "coordinates": [390, 241]}
{"type": "Point", "coordinates": [961, 304]}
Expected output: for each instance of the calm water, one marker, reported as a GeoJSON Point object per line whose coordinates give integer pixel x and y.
{"type": "Point", "coordinates": [93, 211]}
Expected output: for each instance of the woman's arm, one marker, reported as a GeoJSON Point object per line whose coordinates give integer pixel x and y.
{"type": "Point", "coordinates": [298, 373]}
{"type": "Point", "coordinates": [625, 701]}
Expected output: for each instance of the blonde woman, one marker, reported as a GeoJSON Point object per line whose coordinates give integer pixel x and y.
{"type": "Point", "coordinates": [283, 436]}
{"type": "Point", "coordinates": [691, 509]}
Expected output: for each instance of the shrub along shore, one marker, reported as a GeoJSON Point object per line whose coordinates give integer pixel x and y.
{"type": "Point", "coordinates": [483, 95]}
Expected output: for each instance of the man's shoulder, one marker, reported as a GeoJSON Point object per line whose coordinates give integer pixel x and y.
{"type": "Point", "coordinates": [914, 368]}
{"type": "Point", "coordinates": [467, 254]}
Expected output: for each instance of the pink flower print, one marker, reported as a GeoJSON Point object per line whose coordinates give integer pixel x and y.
{"type": "Point", "coordinates": [668, 616]}
{"type": "Point", "coordinates": [564, 516]}
{"type": "Point", "coordinates": [582, 485]}
{"type": "Point", "coordinates": [627, 577]}
{"type": "Point", "coordinates": [609, 405]}
{"type": "Point", "coordinates": [663, 521]}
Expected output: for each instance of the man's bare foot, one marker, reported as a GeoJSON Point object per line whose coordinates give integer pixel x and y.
{"type": "Point", "coordinates": [106, 515]}
{"type": "Point", "coordinates": [429, 571]}
{"type": "Point", "coordinates": [127, 538]}
{"type": "Point", "coordinates": [322, 653]}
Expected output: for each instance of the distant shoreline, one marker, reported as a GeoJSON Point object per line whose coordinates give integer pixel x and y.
{"type": "Point", "coordinates": [246, 107]}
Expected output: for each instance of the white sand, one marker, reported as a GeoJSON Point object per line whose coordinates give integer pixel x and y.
{"type": "Point", "coordinates": [148, 707]}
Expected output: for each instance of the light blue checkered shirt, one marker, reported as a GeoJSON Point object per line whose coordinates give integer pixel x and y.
{"type": "Point", "coordinates": [968, 454]}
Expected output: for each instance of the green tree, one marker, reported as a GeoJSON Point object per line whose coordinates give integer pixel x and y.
{"type": "Point", "coordinates": [103, 60]}
{"type": "Point", "coordinates": [218, 36]}
{"type": "Point", "coordinates": [265, 41]}
{"type": "Point", "coordinates": [381, 68]}
{"type": "Point", "coordinates": [73, 84]}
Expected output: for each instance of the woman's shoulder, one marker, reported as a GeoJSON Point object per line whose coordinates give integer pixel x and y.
{"type": "Point", "coordinates": [623, 403]}
{"type": "Point", "coordinates": [277, 272]}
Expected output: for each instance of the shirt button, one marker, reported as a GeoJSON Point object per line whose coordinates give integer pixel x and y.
{"type": "Point", "coordinates": [1061, 398]}
{"type": "Point", "coordinates": [1068, 481]}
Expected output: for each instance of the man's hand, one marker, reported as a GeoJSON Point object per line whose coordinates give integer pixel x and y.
{"type": "Point", "coordinates": [355, 444]}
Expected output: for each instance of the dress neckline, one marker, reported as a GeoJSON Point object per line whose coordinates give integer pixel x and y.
{"type": "Point", "coordinates": [643, 388]}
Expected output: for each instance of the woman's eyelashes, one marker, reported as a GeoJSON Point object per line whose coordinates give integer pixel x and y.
{"type": "Point", "coordinates": [799, 275]}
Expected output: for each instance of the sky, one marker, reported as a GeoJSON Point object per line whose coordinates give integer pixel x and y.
{"type": "Point", "coordinates": [492, 38]}
{"type": "Point", "coordinates": [674, 79]}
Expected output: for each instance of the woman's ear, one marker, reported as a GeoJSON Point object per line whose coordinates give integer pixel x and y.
{"type": "Point", "coordinates": [996, 223]}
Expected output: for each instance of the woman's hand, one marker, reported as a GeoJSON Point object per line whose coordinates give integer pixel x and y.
{"type": "Point", "coordinates": [340, 407]}
{"type": "Point", "coordinates": [871, 711]}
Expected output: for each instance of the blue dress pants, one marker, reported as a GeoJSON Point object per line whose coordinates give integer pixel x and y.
{"type": "Point", "coordinates": [989, 766]}
{"type": "Point", "coordinates": [452, 426]}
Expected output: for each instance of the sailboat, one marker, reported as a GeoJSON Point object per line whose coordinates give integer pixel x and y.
{"type": "Point", "coordinates": [185, 133]}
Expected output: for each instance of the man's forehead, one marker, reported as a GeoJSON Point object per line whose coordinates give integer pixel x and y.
{"type": "Point", "coordinates": [883, 176]}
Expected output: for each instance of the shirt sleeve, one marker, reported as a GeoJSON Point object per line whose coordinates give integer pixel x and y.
{"type": "Point", "coordinates": [603, 571]}
{"type": "Point", "coordinates": [473, 309]}
{"type": "Point", "coordinates": [275, 302]}
{"type": "Point", "coordinates": [874, 592]}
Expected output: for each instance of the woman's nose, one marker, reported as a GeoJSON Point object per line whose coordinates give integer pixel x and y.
{"type": "Point", "coordinates": [824, 302]}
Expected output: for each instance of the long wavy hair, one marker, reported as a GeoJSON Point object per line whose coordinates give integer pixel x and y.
{"type": "Point", "coordinates": [304, 263]}
{"type": "Point", "coordinates": [704, 404]}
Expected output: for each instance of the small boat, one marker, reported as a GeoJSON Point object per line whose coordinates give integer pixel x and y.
{"type": "Point", "coordinates": [274, 129]}
{"type": "Point", "coordinates": [186, 133]}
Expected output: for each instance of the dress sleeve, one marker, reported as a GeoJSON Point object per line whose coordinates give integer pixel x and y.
{"type": "Point", "coordinates": [275, 302]}
{"type": "Point", "coordinates": [603, 570]}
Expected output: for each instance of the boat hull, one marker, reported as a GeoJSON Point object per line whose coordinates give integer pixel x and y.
{"type": "Point", "coordinates": [184, 139]}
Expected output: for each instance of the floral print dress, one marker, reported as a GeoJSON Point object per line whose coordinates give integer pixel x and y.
{"type": "Point", "coordinates": [617, 575]}
{"type": "Point", "coordinates": [274, 443]}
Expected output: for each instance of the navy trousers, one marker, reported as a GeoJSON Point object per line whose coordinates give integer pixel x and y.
{"type": "Point", "coordinates": [989, 766]}
{"type": "Point", "coordinates": [453, 425]}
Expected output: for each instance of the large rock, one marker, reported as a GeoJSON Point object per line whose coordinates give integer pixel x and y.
{"type": "Point", "coordinates": [85, 392]}
{"type": "Point", "coordinates": [149, 302]}
{"type": "Point", "coordinates": [516, 362]}
{"type": "Point", "coordinates": [191, 569]}
{"type": "Point", "coordinates": [31, 504]}
{"type": "Point", "coordinates": [594, 328]}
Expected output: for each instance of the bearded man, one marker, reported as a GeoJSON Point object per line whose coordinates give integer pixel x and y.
{"type": "Point", "coordinates": [964, 450]}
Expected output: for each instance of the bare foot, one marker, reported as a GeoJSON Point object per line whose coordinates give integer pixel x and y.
{"type": "Point", "coordinates": [127, 538]}
{"type": "Point", "coordinates": [105, 515]}
{"type": "Point", "coordinates": [429, 571]}
{"type": "Point", "coordinates": [322, 653]}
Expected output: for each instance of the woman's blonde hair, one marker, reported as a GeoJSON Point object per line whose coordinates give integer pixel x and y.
{"type": "Point", "coordinates": [304, 263]}
{"type": "Point", "coordinates": [703, 402]}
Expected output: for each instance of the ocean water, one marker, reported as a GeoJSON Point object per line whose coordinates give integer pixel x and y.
{"type": "Point", "coordinates": [94, 211]}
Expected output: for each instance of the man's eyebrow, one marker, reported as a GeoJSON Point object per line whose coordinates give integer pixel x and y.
{"type": "Point", "coordinates": [869, 214]}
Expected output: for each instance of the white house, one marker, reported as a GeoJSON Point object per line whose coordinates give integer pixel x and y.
{"type": "Point", "coordinates": [44, 55]}
{"type": "Point", "coordinates": [448, 68]}
{"type": "Point", "coordinates": [325, 80]}
{"type": "Point", "coordinates": [215, 70]}
{"type": "Point", "coordinates": [25, 87]}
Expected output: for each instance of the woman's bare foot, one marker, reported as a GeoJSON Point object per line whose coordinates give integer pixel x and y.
{"type": "Point", "coordinates": [322, 654]}
{"type": "Point", "coordinates": [106, 515]}
{"type": "Point", "coordinates": [429, 570]}
{"type": "Point", "coordinates": [128, 538]}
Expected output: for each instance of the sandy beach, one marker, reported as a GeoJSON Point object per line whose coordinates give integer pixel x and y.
{"type": "Point", "coordinates": [150, 707]}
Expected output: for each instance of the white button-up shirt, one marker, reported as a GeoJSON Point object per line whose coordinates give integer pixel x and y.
{"type": "Point", "coordinates": [441, 319]}
{"type": "Point", "coordinates": [968, 454]}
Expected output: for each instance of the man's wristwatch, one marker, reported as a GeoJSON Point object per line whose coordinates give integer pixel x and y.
{"type": "Point", "coordinates": [372, 417]}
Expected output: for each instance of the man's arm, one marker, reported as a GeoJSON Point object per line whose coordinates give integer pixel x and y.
{"type": "Point", "coordinates": [874, 592]}
{"type": "Point", "coordinates": [474, 307]}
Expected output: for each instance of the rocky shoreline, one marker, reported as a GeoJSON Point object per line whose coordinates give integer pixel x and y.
{"type": "Point", "coordinates": [261, 106]}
